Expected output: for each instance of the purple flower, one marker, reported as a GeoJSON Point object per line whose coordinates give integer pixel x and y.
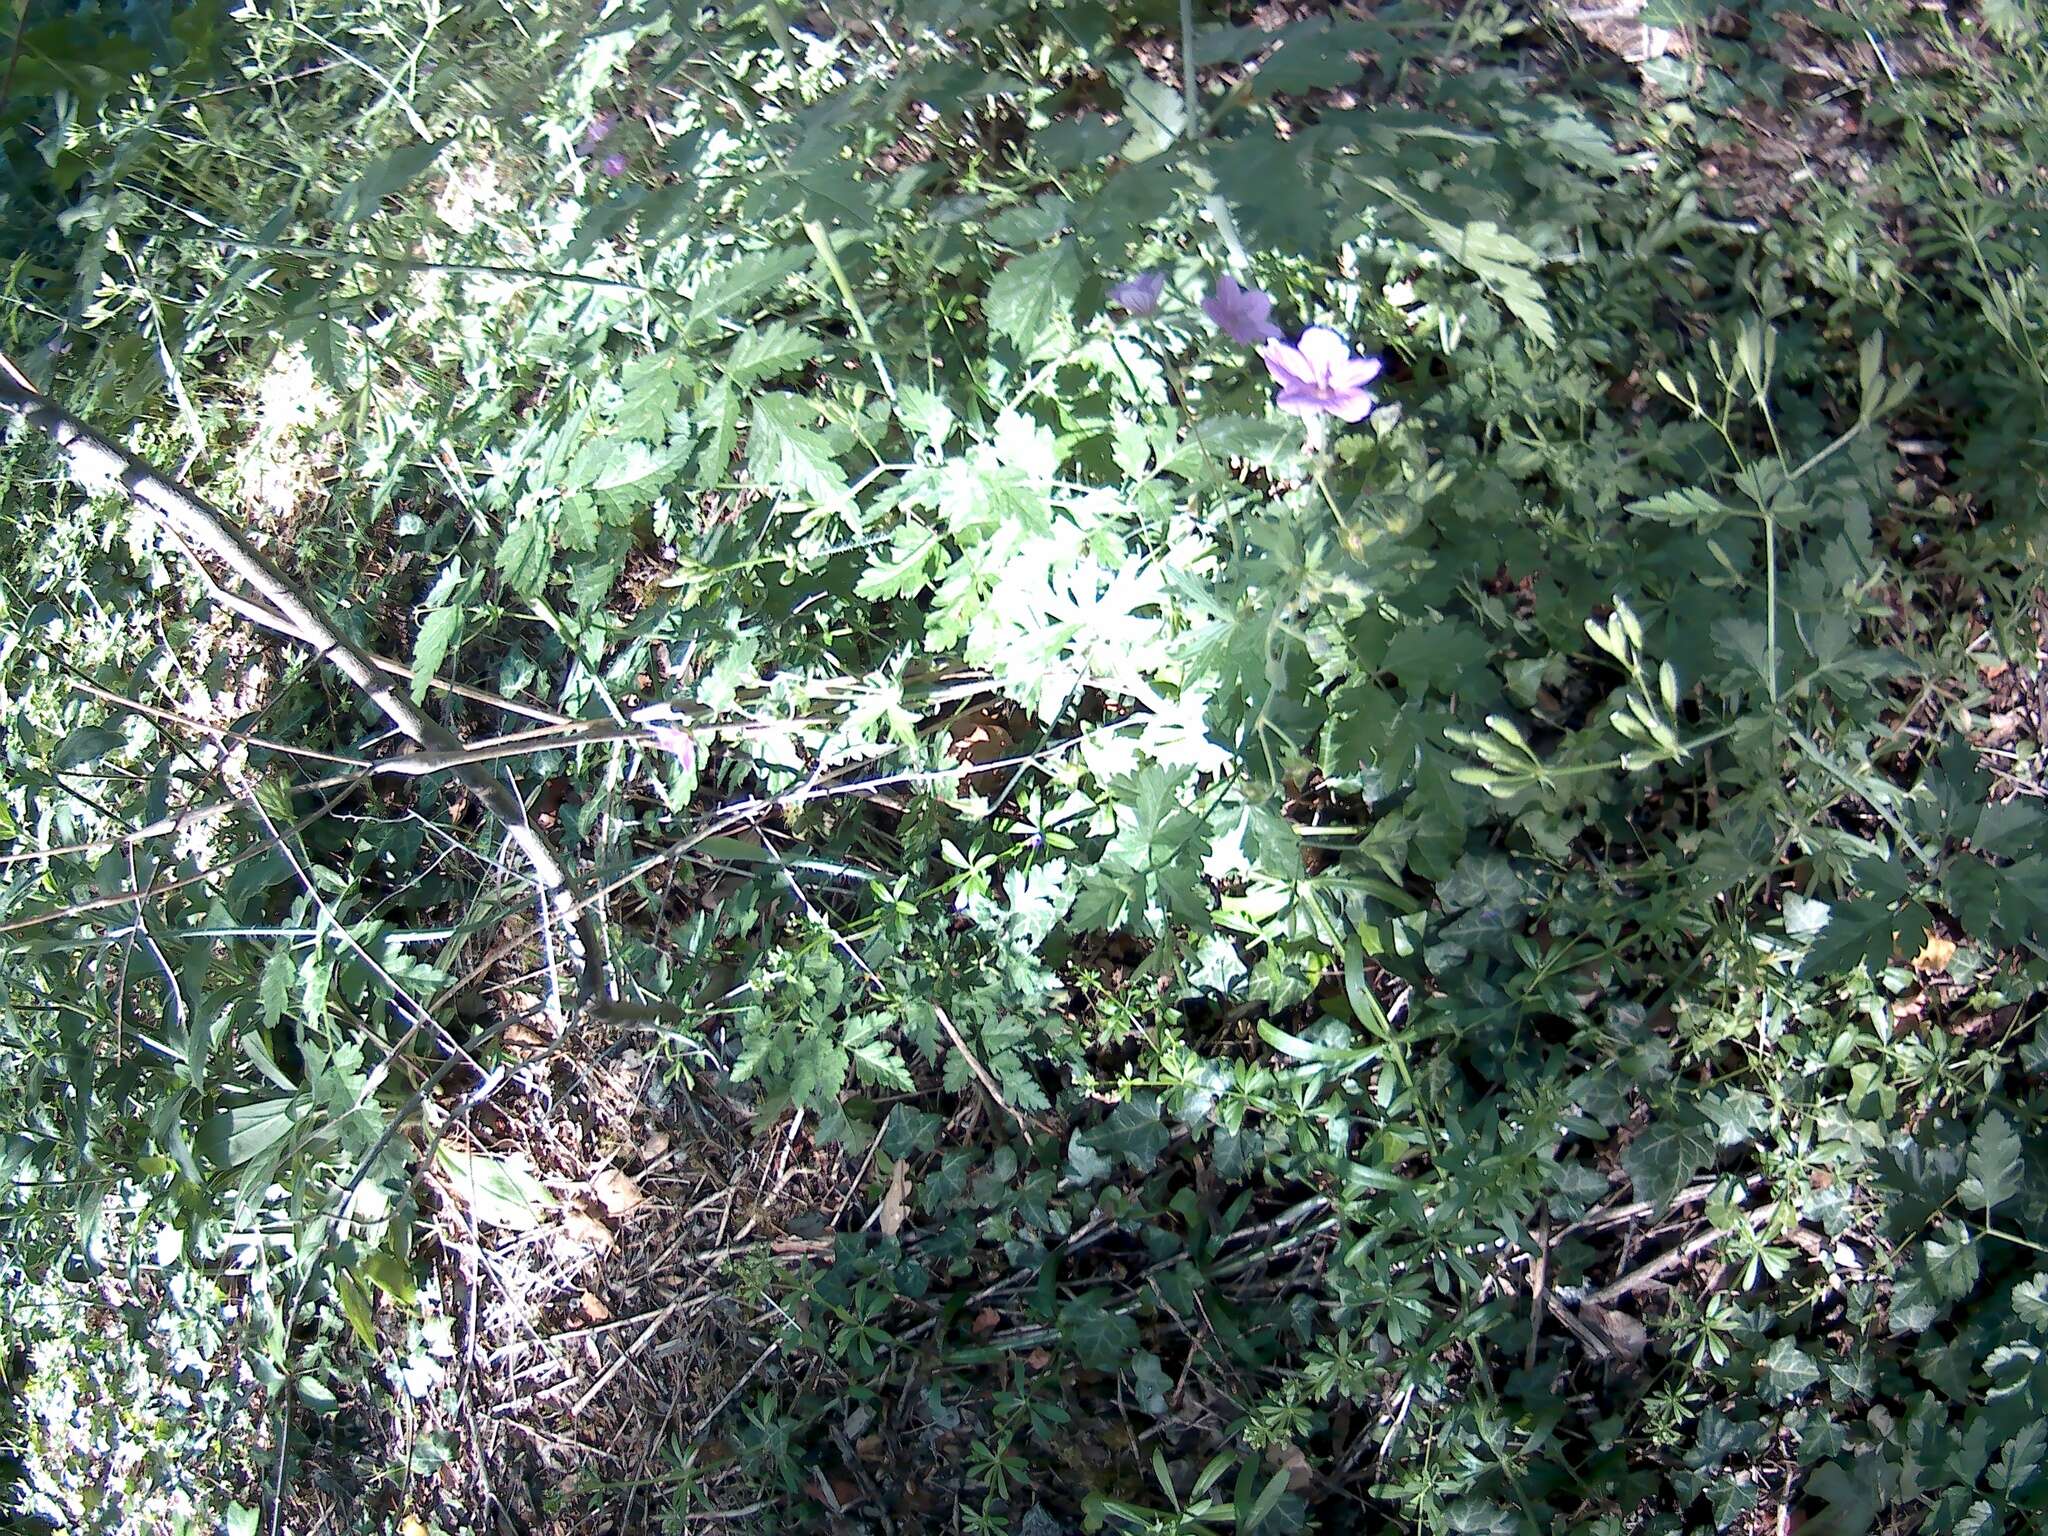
{"type": "Point", "coordinates": [1319, 375]}
{"type": "Point", "coordinates": [1140, 295]}
{"type": "Point", "coordinates": [613, 164]}
{"type": "Point", "coordinates": [600, 129]}
{"type": "Point", "coordinates": [1242, 314]}
{"type": "Point", "coordinates": [675, 741]}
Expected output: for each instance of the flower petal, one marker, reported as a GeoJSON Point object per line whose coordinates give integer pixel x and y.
{"type": "Point", "coordinates": [1352, 404]}
{"type": "Point", "coordinates": [1239, 312]}
{"type": "Point", "coordinates": [1140, 294]}
{"type": "Point", "coordinates": [1325, 349]}
{"type": "Point", "coordinates": [1301, 402]}
{"type": "Point", "coordinates": [1359, 372]}
{"type": "Point", "coordinates": [1287, 365]}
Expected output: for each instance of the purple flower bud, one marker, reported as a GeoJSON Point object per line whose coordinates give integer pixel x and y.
{"type": "Point", "coordinates": [1141, 294]}
{"type": "Point", "coordinates": [1242, 314]}
{"type": "Point", "coordinates": [600, 129]}
{"type": "Point", "coordinates": [1319, 376]}
{"type": "Point", "coordinates": [613, 164]}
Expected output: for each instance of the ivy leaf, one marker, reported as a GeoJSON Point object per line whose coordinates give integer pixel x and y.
{"type": "Point", "coordinates": [1133, 1133]}
{"type": "Point", "coordinates": [1787, 1371]}
{"type": "Point", "coordinates": [1031, 301]}
{"type": "Point", "coordinates": [1084, 1163]}
{"type": "Point", "coordinates": [1097, 1335]}
{"type": "Point", "coordinates": [1663, 1158]}
{"type": "Point", "coordinates": [1848, 1500]}
{"type": "Point", "coordinates": [1151, 1381]}
{"type": "Point", "coordinates": [1993, 1166]}
{"type": "Point", "coordinates": [786, 452]}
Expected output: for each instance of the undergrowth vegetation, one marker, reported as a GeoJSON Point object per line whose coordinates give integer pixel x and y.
{"type": "Point", "coordinates": [1339, 704]}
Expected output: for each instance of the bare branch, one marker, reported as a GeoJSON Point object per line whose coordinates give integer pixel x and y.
{"type": "Point", "coordinates": [99, 461]}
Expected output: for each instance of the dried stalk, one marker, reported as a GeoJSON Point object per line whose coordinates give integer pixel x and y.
{"type": "Point", "coordinates": [98, 461]}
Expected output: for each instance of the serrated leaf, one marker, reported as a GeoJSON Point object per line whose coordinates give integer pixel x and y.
{"type": "Point", "coordinates": [1993, 1168]}
{"type": "Point", "coordinates": [924, 414]}
{"type": "Point", "coordinates": [318, 1396]}
{"type": "Point", "coordinates": [2020, 1458]}
{"type": "Point", "coordinates": [767, 352]}
{"type": "Point", "coordinates": [1952, 1263]}
{"type": "Point", "coordinates": [362, 197]}
{"type": "Point", "coordinates": [786, 452]}
{"type": "Point", "coordinates": [904, 567]}
{"type": "Point", "coordinates": [1504, 264]}
{"type": "Point", "coordinates": [279, 972]}
{"type": "Point", "coordinates": [430, 647]}
{"type": "Point", "coordinates": [1157, 113]}
{"type": "Point", "coordinates": [650, 389]}
{"type": "Point", "coordinates": [522, 555]}
{"type": "Point", "coordinates": [1686, 507]}
{"type": "Point", "coordinates": [877, 1062]}
{"type": "Point", "coordinates": [2030, 1300]}
{"type": "Point", "coordinates": [1031, 301]}
{"type": "Point", "coordinates": [730, 287]}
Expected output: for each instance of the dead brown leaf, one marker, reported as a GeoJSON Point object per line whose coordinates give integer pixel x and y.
{"type": "Point", "coordinates": [896, 1201]}
{"type": "Point", "coordinates": [594, 1308]}
{"type": "Point", "coordinates": [617, 1193]}
{"type": "Point", "coordinates": [1935, 954]}
{"type": "Point", "coordinates": [1286, 1455]}
{"type": "Point", "coordinates": [586, 1231]}
{"type": "Point", "coordinates": [1629, 1337]}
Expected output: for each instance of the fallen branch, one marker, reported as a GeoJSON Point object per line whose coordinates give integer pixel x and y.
{"type": "Point", "coordinates": [99, 461]}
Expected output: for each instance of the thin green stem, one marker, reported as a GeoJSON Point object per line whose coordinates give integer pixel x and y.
{"type": "Point", "coordinates": [821, 239]}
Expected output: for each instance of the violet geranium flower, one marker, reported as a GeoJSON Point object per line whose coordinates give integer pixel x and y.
{"type": "Point", "coordinates": [1319, 376]}
{"type": "Point", "coordinates": [613, 165]}
{"type": "Point", "coordinates": [1242, 314]}
{"type": "Point", "coordinates": [600, 129]}
{"type": "Point", "coordinates": [1139, 295]}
